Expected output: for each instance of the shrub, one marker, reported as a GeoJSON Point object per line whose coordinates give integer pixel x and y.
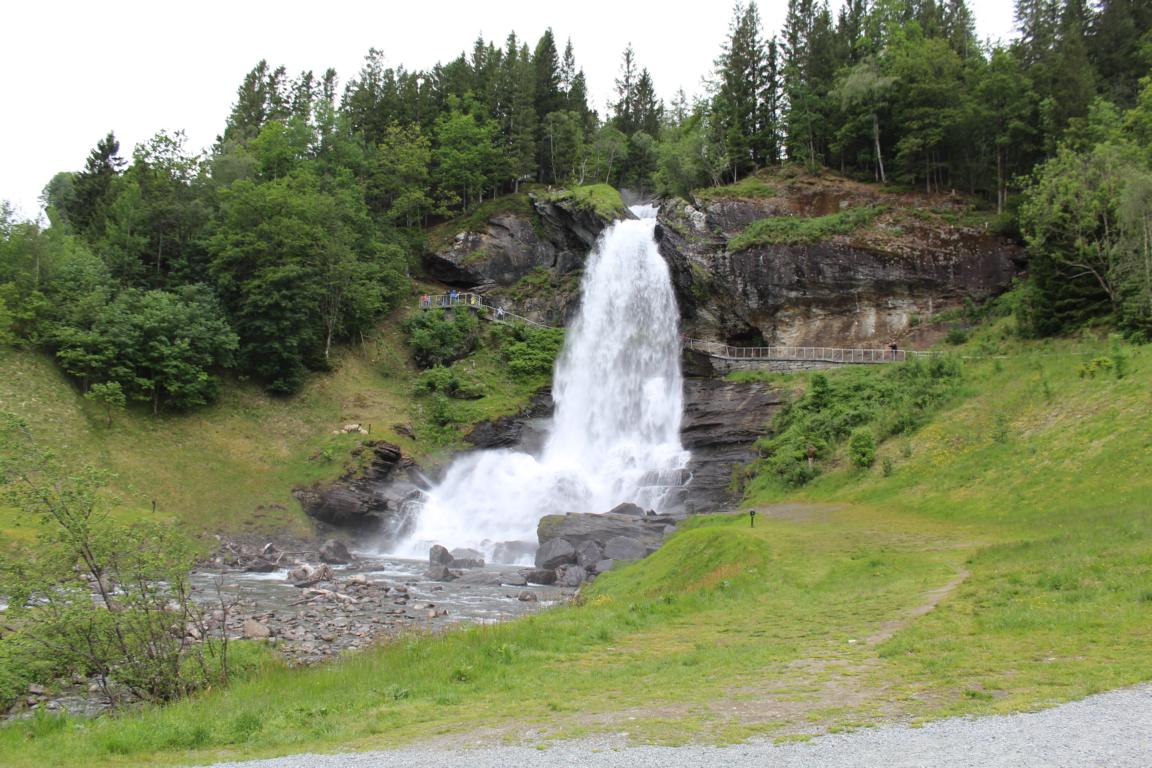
{"type": "Point", "coordinates": [862, 448]}
{"type": "Point", "coordinates": [439, 337]}
{"type": "Point", "coordinates": [94, 595]}
{"type": "Point", "coordinates": [889, 400]}
{"type": "Point", "coordinates": [529, 351]}
{"type": "Point", "coordinates": [956, 336]}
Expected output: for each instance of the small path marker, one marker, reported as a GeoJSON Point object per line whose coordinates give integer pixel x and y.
{"type": "Point", "coordinates": [751, 518]}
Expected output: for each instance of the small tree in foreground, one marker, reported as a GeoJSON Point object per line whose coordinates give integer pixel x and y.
{"type": "Point", "coordinates": [96, 596]}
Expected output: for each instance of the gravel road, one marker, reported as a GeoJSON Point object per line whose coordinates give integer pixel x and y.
{"type": "Point", "coordinates": [1112, 730]}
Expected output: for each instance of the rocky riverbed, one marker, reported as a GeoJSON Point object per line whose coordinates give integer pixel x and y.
{"type": "Point", "coordinates": [354, 605]}
{"type": "Point", "coordinates": [311, 611]}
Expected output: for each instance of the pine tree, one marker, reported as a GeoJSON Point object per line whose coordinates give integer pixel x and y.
{"type": "Point", "coordinates": [624, 118]}
{"type": "Point", "coordinates": [736, 108]}
{"type": "Point", "coordinates": [87, 208]}
{"type": "Point", "coordinates": [1117, 32]}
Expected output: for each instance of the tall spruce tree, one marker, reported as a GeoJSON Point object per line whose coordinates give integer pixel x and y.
{"type": "Point", "coordinates": [737, 108]}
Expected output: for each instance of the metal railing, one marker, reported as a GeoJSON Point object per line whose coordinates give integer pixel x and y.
{"type": "Point", "coordinates": [861, 356]}
{"type": "Point", "coordinates": [805, 354]}
{"type": "Point", "coordinates": [477, 302]}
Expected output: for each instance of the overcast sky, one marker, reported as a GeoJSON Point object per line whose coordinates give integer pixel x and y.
{"type": "Point", "coordinates": [72, 71]}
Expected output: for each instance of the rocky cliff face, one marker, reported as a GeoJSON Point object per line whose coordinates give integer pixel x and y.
{"type": "Point", "coordinates": [368, 499]}
{"type": "Point", "coordinates": [524, 254]}
{"type": "Point", "coordinates": [859, 288]}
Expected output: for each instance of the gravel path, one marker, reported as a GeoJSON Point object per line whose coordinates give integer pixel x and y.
{"type": "Point", "coordinates": [1112, 730]}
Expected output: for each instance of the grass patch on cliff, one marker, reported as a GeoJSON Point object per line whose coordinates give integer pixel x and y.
{"type": "Point", "coordinates": [601, 199]}
{"type": "Point", "coordinates": [794, 230]}
{"type": "Point", "coordinates": [476, 220]}
{"type": "Point", "coordinates": [749, 188]}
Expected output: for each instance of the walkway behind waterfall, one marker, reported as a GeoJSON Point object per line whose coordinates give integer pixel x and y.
{"type": "Point", "coordinates": [486, 308]}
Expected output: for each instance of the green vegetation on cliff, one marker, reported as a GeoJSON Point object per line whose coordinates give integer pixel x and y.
{"type": "Point", "coordinates": [795, 230]}
{"type": "Point", "coordinates": [601, 199]}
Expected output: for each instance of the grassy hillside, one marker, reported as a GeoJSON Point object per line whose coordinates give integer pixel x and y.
{"type": "Point", "coordinates": [999, 563]}
{"type": "Point", "coordinates": [231, 466]}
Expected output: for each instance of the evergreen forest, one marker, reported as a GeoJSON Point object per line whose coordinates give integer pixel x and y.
{"type": "Point", "coordinates": [161, 268]}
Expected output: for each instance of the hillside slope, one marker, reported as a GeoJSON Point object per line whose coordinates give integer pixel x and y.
{"type": "Point", "coordinates": [1000, 564]}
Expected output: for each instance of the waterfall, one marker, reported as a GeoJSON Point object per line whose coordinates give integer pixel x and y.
{"type": "Point", "coordinates": [615, 435]}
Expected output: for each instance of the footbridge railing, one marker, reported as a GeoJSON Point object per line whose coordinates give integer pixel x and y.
{"type": "Point", "coordinates": [488, 309]}
{"type": "Point", "coordinates": [475, 301]}
{"type": "Point", "coordinates": [805, 354]}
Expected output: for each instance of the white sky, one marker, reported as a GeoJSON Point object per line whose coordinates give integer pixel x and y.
{"type": "Point", "coordinates": [72, 71]}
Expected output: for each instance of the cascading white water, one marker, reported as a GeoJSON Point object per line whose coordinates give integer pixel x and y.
{"type": "Point", "coordinates": [616, 429]}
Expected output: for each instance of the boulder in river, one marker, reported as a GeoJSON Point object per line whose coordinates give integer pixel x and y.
{"type": "Point", "coordinates": [467, 558]}
{"type": "Point", "coordinates": [335, 553]}
{"type": "Point", "coordinates": [439, 555]}
{"type": "Point", "coordinates": [440, 573]}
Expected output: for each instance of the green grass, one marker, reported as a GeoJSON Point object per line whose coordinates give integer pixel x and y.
{"type": "Point", "coordinates": [602, 199]}
{"type": "Point", "coordinates": [794, 230]}
{"type": "Point", "coordinates": [750, 187]}
{"type": "Point", "coordinates": [1001, 565]}
{"type": "Point", "coordinates": [230, 467]}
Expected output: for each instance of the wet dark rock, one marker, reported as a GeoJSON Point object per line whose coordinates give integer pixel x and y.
{"type": "Point", "coordinates": [553, 234]}
{"type": "Point", "coordinates": [721, 423]}
{"type": "Point", "coordinates": [335, 552]}
{"type": "Point", "coordinates": [627, 508]}
{"type": "Point", "coordinates": [527, 596]}
{"type": "Point", "coordinates": [544, 576]}
{"type": "Point", "coordinates": [260, 565]}
{"type": "Point", "coordinates": [368, 500]}
{"type": "Point", "coordinates": [518, 431]}
{"type": "Point", "coordinates": [439, 555]}
{"type": "Point", "coordinates": [440, 573]}
{"type": "Point", "coordinates": [555, 552]}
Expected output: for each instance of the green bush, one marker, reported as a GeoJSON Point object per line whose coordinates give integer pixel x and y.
{"type": "Point", "coordinates": [448, 381]}
{"type": "Point", "coordinates": [890, 400]}
{"type": "Point", "coordinates": [956, 336]}
{"type": "Point", "coordinates": [440, 337]}
{"type": "Point", "coordinates": [529, 351]}
{"type": "Point", "coordinates": [862, 448]}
